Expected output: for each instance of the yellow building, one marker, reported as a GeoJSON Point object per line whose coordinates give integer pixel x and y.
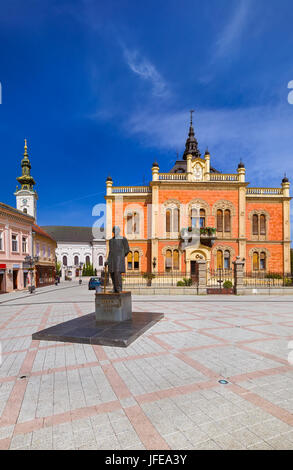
{"type": "Point", "coordinates": [44, 249]}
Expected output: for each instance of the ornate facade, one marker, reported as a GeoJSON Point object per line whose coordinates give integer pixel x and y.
{"type": "Point", "coordinates": [194, 211]}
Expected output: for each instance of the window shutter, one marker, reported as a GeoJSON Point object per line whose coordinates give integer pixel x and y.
{"type": "Point", "coordinates": [262, 223]}
{"type": "Point", "coordinates": [219, 220]}
{"type": "Point", "coordinates": [227, 221]}
{"type": "Point", "coordinates": [255, 224]}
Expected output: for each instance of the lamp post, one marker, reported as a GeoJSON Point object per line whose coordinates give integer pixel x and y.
{"type": "Point", "coordinates": [80, 272]}
{"type": "Point", "coordinates": [31, 261]}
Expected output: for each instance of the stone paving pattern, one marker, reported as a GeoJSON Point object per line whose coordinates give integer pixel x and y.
{"type": "Point", "coordinates": [163, 391]}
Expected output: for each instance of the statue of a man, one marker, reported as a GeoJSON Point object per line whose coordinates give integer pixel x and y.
{"type": "Point", "coordinates": [118, 249]}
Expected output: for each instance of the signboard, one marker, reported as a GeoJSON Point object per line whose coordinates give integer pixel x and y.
{"type": "Point", "coordinates": [2, 266]}
{"type": "Point", "coordinates": [16, 266]}
{"type": "Point", "coordinates": [26, 265]}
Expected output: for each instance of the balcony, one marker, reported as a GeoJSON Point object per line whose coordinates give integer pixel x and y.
{"type": "Point", "coordinates": [206, 235]}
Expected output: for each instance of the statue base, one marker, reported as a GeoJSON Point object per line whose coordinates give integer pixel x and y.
{"type": "Point", "coordinates": [113, 307]}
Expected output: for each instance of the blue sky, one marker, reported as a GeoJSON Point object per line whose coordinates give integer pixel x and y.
{"type": "Point", "coordinates": [103, 88]}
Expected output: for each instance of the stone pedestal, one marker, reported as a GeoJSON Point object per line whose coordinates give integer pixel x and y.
{"type": "Point", "coordinates": [113, 307]}
{"type": "Point", "coordinates": [238, 276]}
{"type": "Point", "coordinates": [201, 268]}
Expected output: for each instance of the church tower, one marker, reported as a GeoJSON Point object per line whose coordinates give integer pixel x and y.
{"type": "Point", "coordinates": [26, 196]}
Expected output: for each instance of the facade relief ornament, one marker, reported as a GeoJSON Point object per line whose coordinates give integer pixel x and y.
{"type": "Point", "coordinates": [223, 204]}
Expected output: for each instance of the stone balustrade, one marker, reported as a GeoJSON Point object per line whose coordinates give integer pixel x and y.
{"type": "Point", "coordinates": [224, 177]}
{"type": "Point", "coordinates": [131, 189]}
{"type": "Point", "coordinates": [264, 191]}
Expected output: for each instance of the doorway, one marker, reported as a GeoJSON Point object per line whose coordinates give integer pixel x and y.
{"type": "Point", "coordinates": [2, 283]}
{"type": "Point", "coordinates": [193, 272]}
{"type": "Point", "coordinates": [15, 275]}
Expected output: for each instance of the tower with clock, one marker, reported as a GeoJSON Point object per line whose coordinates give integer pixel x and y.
{"type": "Point", "coordinates": [26, 196]}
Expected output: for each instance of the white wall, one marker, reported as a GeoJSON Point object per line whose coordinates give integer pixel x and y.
{"type": "Point", "coordinates": [82, 250]}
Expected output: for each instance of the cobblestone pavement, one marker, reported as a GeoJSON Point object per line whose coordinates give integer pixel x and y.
{"type": "Point", "coordinates": [163, 391]}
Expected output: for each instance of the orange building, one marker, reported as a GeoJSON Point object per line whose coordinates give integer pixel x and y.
{"type": "Point", "coordinates": [195, 212]}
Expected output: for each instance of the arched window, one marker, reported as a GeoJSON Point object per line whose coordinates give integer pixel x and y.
{"type": "Point", "coordinates": [168, 221]}
{"type": "Point", "coordinates": [202, 218]}
{"type": "Point", "coordinates": [136, 222]}
{"type": "Point", "coordinates": [168, 260]}
{"type": "Point", "coordinates": [100, 260]}
{"type": "Point", "coordinates": [64, 260]}
{"type": "Point", "coordinates": [219, 259]}
{"type": "Point", "coordinates": [76, 260]}
{"type": "Point", "coordinates": [194, 217]}
{"type": "Point", "coordinates": [176, 215]}
{"type": "Point", "coordinates": [129, 260]}
{"type": "Point", "coordinates": [255, 261]}
{"type": "Point", "coordinates": [255, 224]}
{"type": "Point", "coordinates": [129, 223]}
{"type": "Point", "coordinates": [219, 220]}
{"type": "Point", "coordinates": [262, 224]}
{"type": "Point", "coordinates": [25, 211]}
{"type": "Point", "coordinates": [176, 260]}
{"type": "Point", "coordinates": [262, 261]}
{"type": "Point", "coordinates": [227, 259]}
{"type": "Point", "coordinates": [227, 220]}
{"type": "Point", "coordinates": [136, 260]}
{"type": "Point", "coordinates": [87, 260]}
{"type": "Point", "coordinates": [132, 223]}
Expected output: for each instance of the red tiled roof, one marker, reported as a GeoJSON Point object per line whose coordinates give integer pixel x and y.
{"type": "Point", "coordinates": [40, 231]}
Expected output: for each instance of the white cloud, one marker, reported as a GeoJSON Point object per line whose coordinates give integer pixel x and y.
{"type": "Point", "coordinates": [261, 136]}
{"type": "Point", "coordinates": [146, 71]}
{"type": "Point", "coordinates": [229, 37]}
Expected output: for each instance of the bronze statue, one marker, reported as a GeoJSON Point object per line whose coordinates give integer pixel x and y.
{"type": "Point", "coordinates": [118, 249]}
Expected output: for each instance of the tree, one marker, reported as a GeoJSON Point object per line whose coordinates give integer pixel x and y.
{"type": "Point", "coordinates": [58, 268]}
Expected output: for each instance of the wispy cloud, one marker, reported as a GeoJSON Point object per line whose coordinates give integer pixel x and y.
{"type": "Point", "coordinates": [230, 36]}
{"type": "Point", "coordinates": [261, 136]}
{"type": "Point", "coordinates": [146, 71]}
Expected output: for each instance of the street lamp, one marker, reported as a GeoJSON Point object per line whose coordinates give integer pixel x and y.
{"type": "Point", "coordinates": [80, 271]}
{"type": "Point", "coordinates": [31, 261]}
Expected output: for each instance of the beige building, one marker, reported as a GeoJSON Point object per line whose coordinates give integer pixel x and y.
{"type": "Point", "coordinates": [44, 249]}
{"type": "Point", "coordinates": [15, 245]}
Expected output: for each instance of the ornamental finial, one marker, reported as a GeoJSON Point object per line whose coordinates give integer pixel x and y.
{"type": "Point", "coordinates": [25, 147]}
{"type": "Point", "coordinates": [191, 111]}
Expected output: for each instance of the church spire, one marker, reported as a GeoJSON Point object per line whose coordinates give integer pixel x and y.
{"type": "Point", "coordinates": [26, 180]}
{"type": "Point", "coordinates": [191, 145]}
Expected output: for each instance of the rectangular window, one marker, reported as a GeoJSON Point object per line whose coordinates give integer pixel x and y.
{"type": "Point", "coordinates": [44, 251]}
{"type": "Point", "coordinates": [24, 244]}
{"type": "Point", "coordinates": [37, 249]}
{"type": "Point", "coordinates": [14, 243]}
{"type": "Point", "coordinates": [49, 252]}
{"type": "Point", "coordinates": [1, 241]}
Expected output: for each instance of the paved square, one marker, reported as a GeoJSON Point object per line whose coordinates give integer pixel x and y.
{"type": "Point", "coordinates": [163, 391]}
